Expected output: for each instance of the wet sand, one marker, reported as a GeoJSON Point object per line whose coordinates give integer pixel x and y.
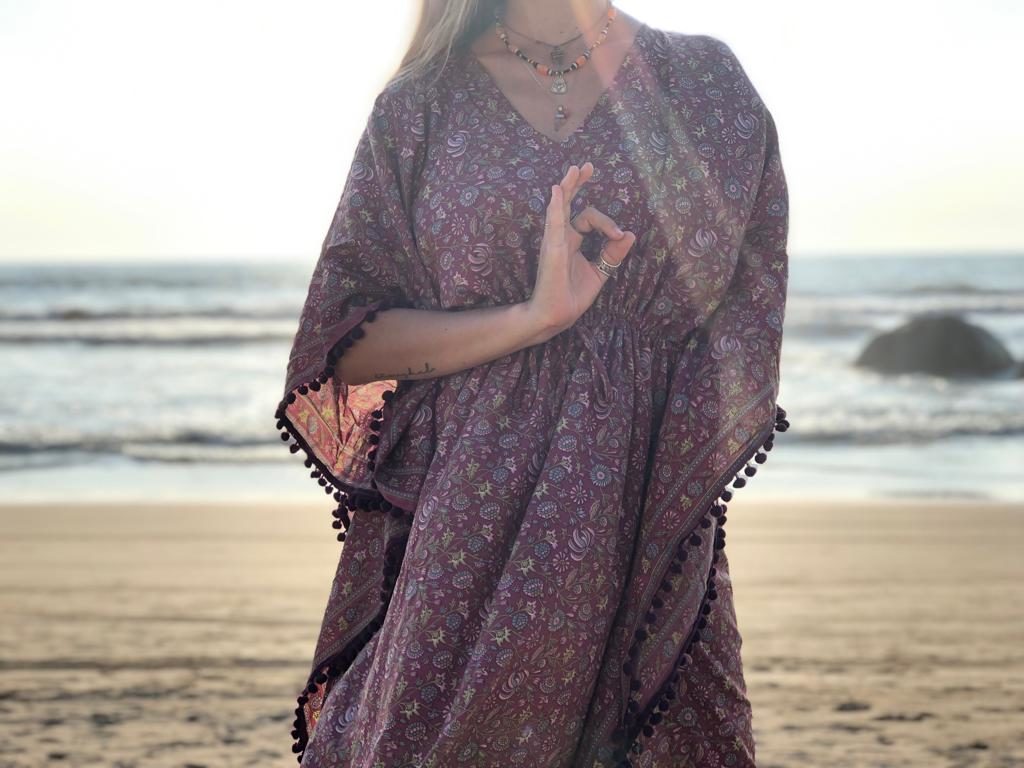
{"type": "Point", "coordinates": [147, 635]}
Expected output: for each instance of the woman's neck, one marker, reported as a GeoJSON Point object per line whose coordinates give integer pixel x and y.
{"type": "Point", "coordinates": [554, 20]}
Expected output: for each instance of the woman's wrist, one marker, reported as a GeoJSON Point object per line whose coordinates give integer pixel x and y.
{"type": "Point", "coordinates": [535, 325]}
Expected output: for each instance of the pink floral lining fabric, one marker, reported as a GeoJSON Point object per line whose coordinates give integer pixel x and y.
{"type": "Point", "coordinates": [533, 569]}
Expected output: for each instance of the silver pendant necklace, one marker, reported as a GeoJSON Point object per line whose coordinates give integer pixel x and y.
{"type": "Point", "coordinates": [561, 115]}
{"type": "Point", "coordinates": [557, 53]}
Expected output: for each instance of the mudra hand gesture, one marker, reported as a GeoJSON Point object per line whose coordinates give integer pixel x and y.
{"type": "Point", "coordinates": [567, 283]}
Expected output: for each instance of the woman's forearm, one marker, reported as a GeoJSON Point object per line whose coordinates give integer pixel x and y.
{"type": "Point", "coordinates": [403, 343]}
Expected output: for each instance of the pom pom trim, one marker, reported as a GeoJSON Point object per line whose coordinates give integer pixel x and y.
{"type": "Point", "coordinates": [349, 498]}
{"type": "Point", "coordinates": [336, 665]}
{"type": "Point", "coordinates": [637, 724]}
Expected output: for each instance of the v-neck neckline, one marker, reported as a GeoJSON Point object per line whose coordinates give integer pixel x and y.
{"type": "Point", "coordinates": [615, 85]}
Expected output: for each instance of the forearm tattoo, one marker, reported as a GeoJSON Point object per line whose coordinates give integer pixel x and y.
{"type": "Point", "coordinates": [409, 373]}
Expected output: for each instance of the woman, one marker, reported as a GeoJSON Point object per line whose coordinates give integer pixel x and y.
{"type": "Point", "coordinates": [541, 340]}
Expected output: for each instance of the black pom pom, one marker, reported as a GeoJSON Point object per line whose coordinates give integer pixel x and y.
{"type": "Point", "coordinates": [627, 668]}
{"type": "Point", "coordinates": [290, 398]}
{"type": "Point", "coordinates": [705, 522]}
{"type": "Point", "coordinates": [303, 389]}
{"type": "Point", "coordinates": [725, 495]}
{"type": "Point", "coordinates": [695, 539]}
{"type": "Point", "coordinates": [357, 333]}
{"type": "Point", "coordinates": [739, 482]}
{"type": "Point", "coordinates": [640, 634]}
{"type": "Point", "coordinates": [749, 471]}
{"type": "Point", "coordinates": [634, 685]}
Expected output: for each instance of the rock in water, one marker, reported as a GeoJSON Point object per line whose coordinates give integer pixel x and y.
{"type": "Point", "coordinates": [939, 344]}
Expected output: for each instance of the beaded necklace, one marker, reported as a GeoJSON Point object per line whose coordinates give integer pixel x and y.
{"type": "Point", "coordinates": [559, 85]}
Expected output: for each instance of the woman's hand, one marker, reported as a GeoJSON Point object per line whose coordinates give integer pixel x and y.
{"type": "Point", "coordinates": [567, 283]}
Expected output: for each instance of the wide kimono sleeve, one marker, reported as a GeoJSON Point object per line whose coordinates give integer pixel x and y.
{"type": "Point", "coordinates": [721, 416]}
{"type": "Point", "coordinates": [723, 406]}
{"type": "Point", "coordinates": [737, 375]}
{"type": "Point", "coordinates": [368, 262]}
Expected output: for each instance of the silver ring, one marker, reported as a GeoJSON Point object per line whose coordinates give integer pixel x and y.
{"type": "Point", "coordinates": [605, 268]}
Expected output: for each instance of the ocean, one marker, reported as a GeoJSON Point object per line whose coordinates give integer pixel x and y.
{"type": "Point", "coordinates": [159, 381]}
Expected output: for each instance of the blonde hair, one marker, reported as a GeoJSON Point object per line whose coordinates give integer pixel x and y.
{"type": "Point", "coordinates": [444, 26]}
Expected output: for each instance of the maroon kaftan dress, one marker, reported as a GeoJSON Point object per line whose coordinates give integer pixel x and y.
{"type": "Point", "coordinates": [533, 569]}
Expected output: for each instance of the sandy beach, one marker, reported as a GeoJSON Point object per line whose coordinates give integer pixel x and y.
{"type": "Point", "coordinates": [874, 634]}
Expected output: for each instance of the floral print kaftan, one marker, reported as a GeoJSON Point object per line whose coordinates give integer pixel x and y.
{"type": "Point", "coordinates": [533, 569]}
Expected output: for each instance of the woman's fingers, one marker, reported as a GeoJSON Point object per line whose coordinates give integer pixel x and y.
{"type": "Point", "coordinates": [590, 219]}
{"type": "Point", "coordinates": [614, 251]}
{"type": "Point", "coordinates": [555, 223]}
{"type": "Point", "coordinates": [575, 177]}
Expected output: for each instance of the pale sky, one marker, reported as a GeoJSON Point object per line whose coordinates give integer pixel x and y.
{"type": "Point", "coordinates": [153, 129]}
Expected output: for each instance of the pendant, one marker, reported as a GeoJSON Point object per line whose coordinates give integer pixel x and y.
{"type": "Point", "coordinates": [559, 85]}
{"type": "Point", "coordinates": [560, 117]}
